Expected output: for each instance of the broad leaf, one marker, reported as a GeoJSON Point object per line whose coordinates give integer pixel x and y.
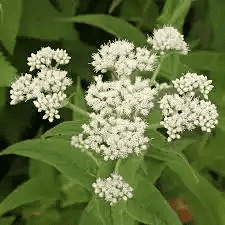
{"type": "Point", "coordinates": [148, 203]}
{"type": "Point", "coordinates": [72, 192]}
{"type": "Point", "coordinates": [172, 67]}
{"type": "Point", "coordinates": [98, 212]}
{"type": "Point", "coordinates": [174, 13]}
{"type": "Point", "coordinates": [113, 5]}
{"type": "Point", "coordinates": [7, 220]}
{"type": "Point", "coordinates": [7, 72]}
{"type": "Point", "coordinates": [113, 25]}
{"type": "Point", "coordinates": [78, 100]}
{"type": "Point", "coordinates": [119, 216]}
{"type": "Point", "coordinates": [10, 22]}
{"type": "Point", "coordinates": [59, 153]}
{"type": "Point", "coordinates": [210, 198]}
{"type": "Point", "coordinates": [205, 60]}
{"type": "Point", "coordinates": [151, 169]}
{"type": "Point", "coordinates": [38, 22]}
{"type": "Point", "coordinates": [128, 167]}
{"type": "Point", "coordinates": [30, 191]}
{"type": "Point", "coordinates": [144, 12]}
{"type": "Point", "coordinates": [67, 128]}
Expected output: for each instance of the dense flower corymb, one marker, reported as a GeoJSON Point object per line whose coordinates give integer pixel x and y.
{"type": "Point", "coordinates": [121, 96]}
{"type": "Point", "coordinates": [192, 82]}
{"type": "Point", "coordinates": [49, 85]}
{"type": "Point", "coordinates": [168, 38]}
{"type": "Point", "coordinates": [43, 58]}
{"type": "Point", "coordinates": [113, 189]}
{"type": "Point", "coordinates": [113, 137]}
{"type": "Point", "coordinates": [186, 112]}
{"type": "Point", "coordinates": [123, 58]}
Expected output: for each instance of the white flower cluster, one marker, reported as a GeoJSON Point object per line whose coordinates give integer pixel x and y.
{"type": "Point", "coordinates": [123, 58]}
{"type": "Point", "coordinates": [113, 188]}
{"type": "Point", "coordinates": [49, 85]}
{"type": "Point", "coordinates": [190, 82]}
{"type": "Point", "coordinates": [112, 137]}
{"type": "Point", "coordinates": [168, 38]}
{"type": "Point", "coordinates": [43, 58]}
{"type": "Point", "coordinates": [186, 112]}
{"type": "Point", "coordinates": [121, 96]}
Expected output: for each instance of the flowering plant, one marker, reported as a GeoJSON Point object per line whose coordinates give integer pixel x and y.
{"type": "Point", "coordinates": [137, 127]}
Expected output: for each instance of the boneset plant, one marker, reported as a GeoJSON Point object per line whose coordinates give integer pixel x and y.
{"type": "Point", "coordinates": [118, 128]}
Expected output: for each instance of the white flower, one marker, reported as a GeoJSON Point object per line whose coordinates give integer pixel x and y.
{"type": "Point", "coordinates": [113, 137]}
{"type": "Point", "coordinates": [121, 96]}
{"type": "Point", "coordinates": [168, 38]}
{"type": "Point", "coordinates": [50, 104]}
{"type": "Point", "coordinates": [40, 60]}
{"type": "Point", "coordinates": [191, 82]}
{"type": "Point", "coordinates": [49, 85]}
{"type": "Point", "coordinates": [54, 80]}
{"type": "Point", "coordinates": [123, 58]}
{"type": "Point", "coordinates": [20, 89]}
{"type": "Point", "coordinates": [43, 58]}
{"type": "Point", "coordinates": [186, 112]}
{"type": "Point", "coordinates": [61, 56]}
{"type": "Point", "coordinates": [113, 189]}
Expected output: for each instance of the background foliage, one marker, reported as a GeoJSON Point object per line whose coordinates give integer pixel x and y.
{"type": "Point", "coordinates": [44, 188]}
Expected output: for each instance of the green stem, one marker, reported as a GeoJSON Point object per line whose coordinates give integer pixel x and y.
{"type": "Point", "coordinates": [91, 155]}
{"type": "Point", "coordinates": [117, 165]}
{"type": "Point", "coordinates": [76, 109]}
{"type": "Point", "coordinates": [157, 69]}
{"type": "Point", "coordinates": [154, 126]}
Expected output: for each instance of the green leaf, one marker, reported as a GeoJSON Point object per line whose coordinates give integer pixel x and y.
{"type": "Point", "coordinates": [2, 98]}
{"type": "Point", "coordinates": [49, 216]}
{"type": "Point", "coordinates": [10, 22]}
{"type": "Point", "coordinates": [30, 191]}
{"type": "Point", "coordinates": [110, 24]}
{"type": "Point", "coordinates": [119, 216]}
{"type": "Point", "coordinates": [68, 128]}
{"type": "Point", "coordinates": [216, 16]}
{"type": "Point", "coordinates": [72, 192]}
{"type": "Point", "coordinates": [7, 72]}
{"type": "Point", "coordinates": [160, 142]}
{"type": "Point", "coordinates": [172, 67]}
{"type": "Point", "coordinates": [81, 55]}
{"type": "Point", "coordinates": [212, 155]}
{"type": "Point", "coordinates": [79, 100]}
{"type": "Point", "coordinates": [205, 60]}
{"type": "Point", "coordinates": [144, 12]}
{"type": "Point", "coordinates": [98, 212]}
{"type": "Point", "coordinates": [7, 220]}
{"type": "Point", "coordinates": [128, 167]}
{"type": "Point", "coordinates": [36, 23]}
{"type": "Point", "coordinates": [106, 168]}
{"type": "Point", "coordinates": [151, 169]}
{"type": "Point", "coordinates": [113, 5]}
{"type": "Point", "coordinates": [59, 153]}
{"type": "Point", "coordinates": [154, 117]}
{"type": "Point", "coordinates": [148, 203]}
{"type": "Point", "coordinates": [210, 198]}
{"type": "Point", "coordinates": [174, 13]}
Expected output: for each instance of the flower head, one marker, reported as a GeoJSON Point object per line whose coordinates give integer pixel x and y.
{"type": "Point", "coordinates": [113, 189]}
{"type": "Point", "coordinates": [121, 96]}
{"type": "Point", "coordinates": [112, 137]}
{"type": "Point", "coordinates": [191, 82]}
{"type": "Point", "coordinates": [48, 87]}
{"type": "Point", "coordinates": [186, 112]}
{"type": "Point", "coordinates": [123, 58]}
{"type": "Point", "coordinates": [168, 38]}
{"type": "Point", "coordinates": [43, 58]}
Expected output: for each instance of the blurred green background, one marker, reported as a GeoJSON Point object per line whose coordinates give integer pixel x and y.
{"type": "Point", "coordinates": [28, 25]}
